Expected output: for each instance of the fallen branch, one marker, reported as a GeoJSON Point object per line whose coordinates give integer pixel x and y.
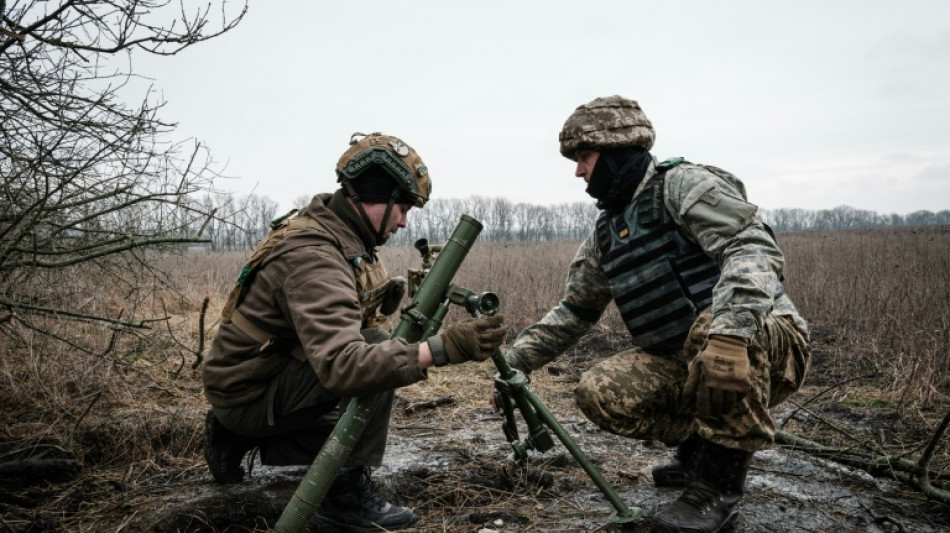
{"type": "Point", "coordinates": [31, 471]}
{"type": "Point", "coordinates": [915, 474]}
{"type": "Point", "coordinates": [429, 404]}
{"type": "Point", "coordinates": [924, 479]}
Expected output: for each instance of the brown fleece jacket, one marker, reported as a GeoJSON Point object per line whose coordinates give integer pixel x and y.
{"type": "Point", "coordinates": [306, 290]}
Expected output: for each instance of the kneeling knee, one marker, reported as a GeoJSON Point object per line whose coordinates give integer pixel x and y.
{"type": "Point", "coordinates": [587, 392]}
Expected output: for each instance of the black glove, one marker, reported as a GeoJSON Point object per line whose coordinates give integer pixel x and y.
{"type": "Point", "coordinates": [395, 290]}
{"type": "Point", "coordinates": [474, 339]}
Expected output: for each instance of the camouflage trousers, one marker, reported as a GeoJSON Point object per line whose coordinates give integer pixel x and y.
{"type": "Point", "coordinates": [638, 394]}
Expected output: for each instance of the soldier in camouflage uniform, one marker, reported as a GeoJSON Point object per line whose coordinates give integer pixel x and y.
{"type": "Point", "coordinates": [696, 277]}
{"type": "Point", "coordinates": [306, 328]}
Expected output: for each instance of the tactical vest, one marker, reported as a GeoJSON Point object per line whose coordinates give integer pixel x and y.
{"type": "Point", "coordinates": [371, 284]}
{"type": "Point", "coordinates": [659, 279]}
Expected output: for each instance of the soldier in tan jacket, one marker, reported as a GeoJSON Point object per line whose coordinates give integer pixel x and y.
{"type": "Point", "coordinates": [696, 277]}
{"type": "Point", "coordinates": [305, 329]}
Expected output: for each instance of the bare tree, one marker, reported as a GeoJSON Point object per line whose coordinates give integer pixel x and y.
{"type": "Point", "coordinates": [90, 185]}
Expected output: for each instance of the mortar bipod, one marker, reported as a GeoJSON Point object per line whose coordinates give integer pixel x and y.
{"type": "Point", "coordinates": [514, 391]}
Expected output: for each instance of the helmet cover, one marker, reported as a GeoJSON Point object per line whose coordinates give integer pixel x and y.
{"type": "Point", "coordinates": [393, 156]}
{"type": "Point", "coordinates": [604, 123]}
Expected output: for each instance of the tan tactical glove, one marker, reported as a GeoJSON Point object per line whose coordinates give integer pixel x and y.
{"type": "Point", "coordinates": [719, 376]}
{"type": "Point", "coordinates": [474, 339]}
{"type": "Point", "coordinates": [395, 290]}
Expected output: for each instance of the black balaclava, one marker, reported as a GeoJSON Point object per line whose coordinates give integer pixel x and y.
{"type": "Point", "coordinates": [616, 175]}
{"type": "Point", "coordinates": [375, 185]}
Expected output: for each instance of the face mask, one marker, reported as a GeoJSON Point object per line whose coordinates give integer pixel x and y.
{"type": "Point", "coordinates": [616, 175]}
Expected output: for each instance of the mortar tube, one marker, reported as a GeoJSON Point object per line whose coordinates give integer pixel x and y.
{"type": "Point", "coordinates": [432, 292]}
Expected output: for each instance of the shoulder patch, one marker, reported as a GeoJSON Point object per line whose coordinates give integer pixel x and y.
{"type": "Point", "coordinates": [672, 162]}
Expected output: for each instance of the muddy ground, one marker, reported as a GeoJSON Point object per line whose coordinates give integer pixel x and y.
{"type": "Point", "coordinates": [445, 462]}
{"type": "Point", "coordinates": [450, 476]}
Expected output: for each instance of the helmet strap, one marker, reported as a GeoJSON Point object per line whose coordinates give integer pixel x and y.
{"type": "Point", "coordinates": [378, 233]}
{"type": "Point", "coordinates": [351, 192]}
{"type": "Point", "coordinates": [385, 221]}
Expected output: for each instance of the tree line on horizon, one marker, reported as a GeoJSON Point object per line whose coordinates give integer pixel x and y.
{"type": "Point", "coordinates": [242, 222]}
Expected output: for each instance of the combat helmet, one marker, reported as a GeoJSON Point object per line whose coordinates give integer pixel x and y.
{"type": "Point", "coordinates": [604, 123]}
{"type": "Point", "coordinates": [394, 158]}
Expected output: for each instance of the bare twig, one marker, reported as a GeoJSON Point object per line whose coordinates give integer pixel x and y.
{"type": "Point", "coordinates": [81, 316]}
{"type": "Point", "coordinates": [86, 411]}
{"type": "Point", "coordinates": [925, 458]}
{"type": "Point", "coordinates": [819, 394]}
{"type": "Point", "coordinates": [199, 352]}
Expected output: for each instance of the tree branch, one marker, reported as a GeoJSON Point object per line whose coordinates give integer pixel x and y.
{"type": "Point", "coordinates": [81, 316]}
{"type": "Point", "coordinates": [102, 253]}
{"type": "Point", "coordinates": [918, 473]}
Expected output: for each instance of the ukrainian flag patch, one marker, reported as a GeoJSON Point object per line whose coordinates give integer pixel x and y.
{"type": "Point", "coordinates": [623, 230]}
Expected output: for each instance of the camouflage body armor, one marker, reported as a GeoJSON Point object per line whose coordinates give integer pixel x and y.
{"type": "Point", "coordinates": [659, 279]}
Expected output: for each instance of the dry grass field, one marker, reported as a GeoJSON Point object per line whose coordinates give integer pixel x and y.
{"type": "Point", "coordinates": [130, 411]}
{"type": "Point", "coordinates": [879, 305]}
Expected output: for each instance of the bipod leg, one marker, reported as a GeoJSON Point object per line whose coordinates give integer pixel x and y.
{"type": "Point", "coordinates": [512, 390]}
{"type": "Point", "coordinates": [514, 384]}
{"type": "Point", "coordinates": [519, 454]}
{"type": "Point", "coordinates": [624, 514]}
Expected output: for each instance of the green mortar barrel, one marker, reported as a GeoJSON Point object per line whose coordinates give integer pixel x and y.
{"type": "Point", "coordinates": [417, 318]}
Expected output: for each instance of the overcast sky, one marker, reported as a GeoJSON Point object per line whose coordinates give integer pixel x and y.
{"type": "Point", "coordinates": [813, 104]}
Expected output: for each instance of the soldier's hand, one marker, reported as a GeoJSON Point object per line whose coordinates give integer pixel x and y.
{"type": "Point", "coordinates": [395, 290]}
{"type": "Point", "coordinates": [474, 339]}
{"type": "Point", "coordinates": [719, 376]}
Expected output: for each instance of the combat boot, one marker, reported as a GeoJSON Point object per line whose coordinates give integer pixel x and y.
{"type": "Point", "coordinates": [680, 470]}
{"type": "Point", "coordinates": [711, 500]}
{"type": "Point", "coordinates": [352, 505]}
{"type": "Point", "coordinates": [224, 450]}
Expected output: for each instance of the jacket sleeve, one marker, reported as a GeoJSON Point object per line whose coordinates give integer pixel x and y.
{"type": "Point", "coordinates": [320, 297]}
{"type": "Point", "coordinates": [586, 295]}
{"type": "Point", "coordinates": [713, 211]}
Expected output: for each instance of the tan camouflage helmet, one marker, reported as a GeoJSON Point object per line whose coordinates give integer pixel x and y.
{"type": "Point", "coordinates": [606, 122]}
{"type": "Point", "coordinates": [396, 157]}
